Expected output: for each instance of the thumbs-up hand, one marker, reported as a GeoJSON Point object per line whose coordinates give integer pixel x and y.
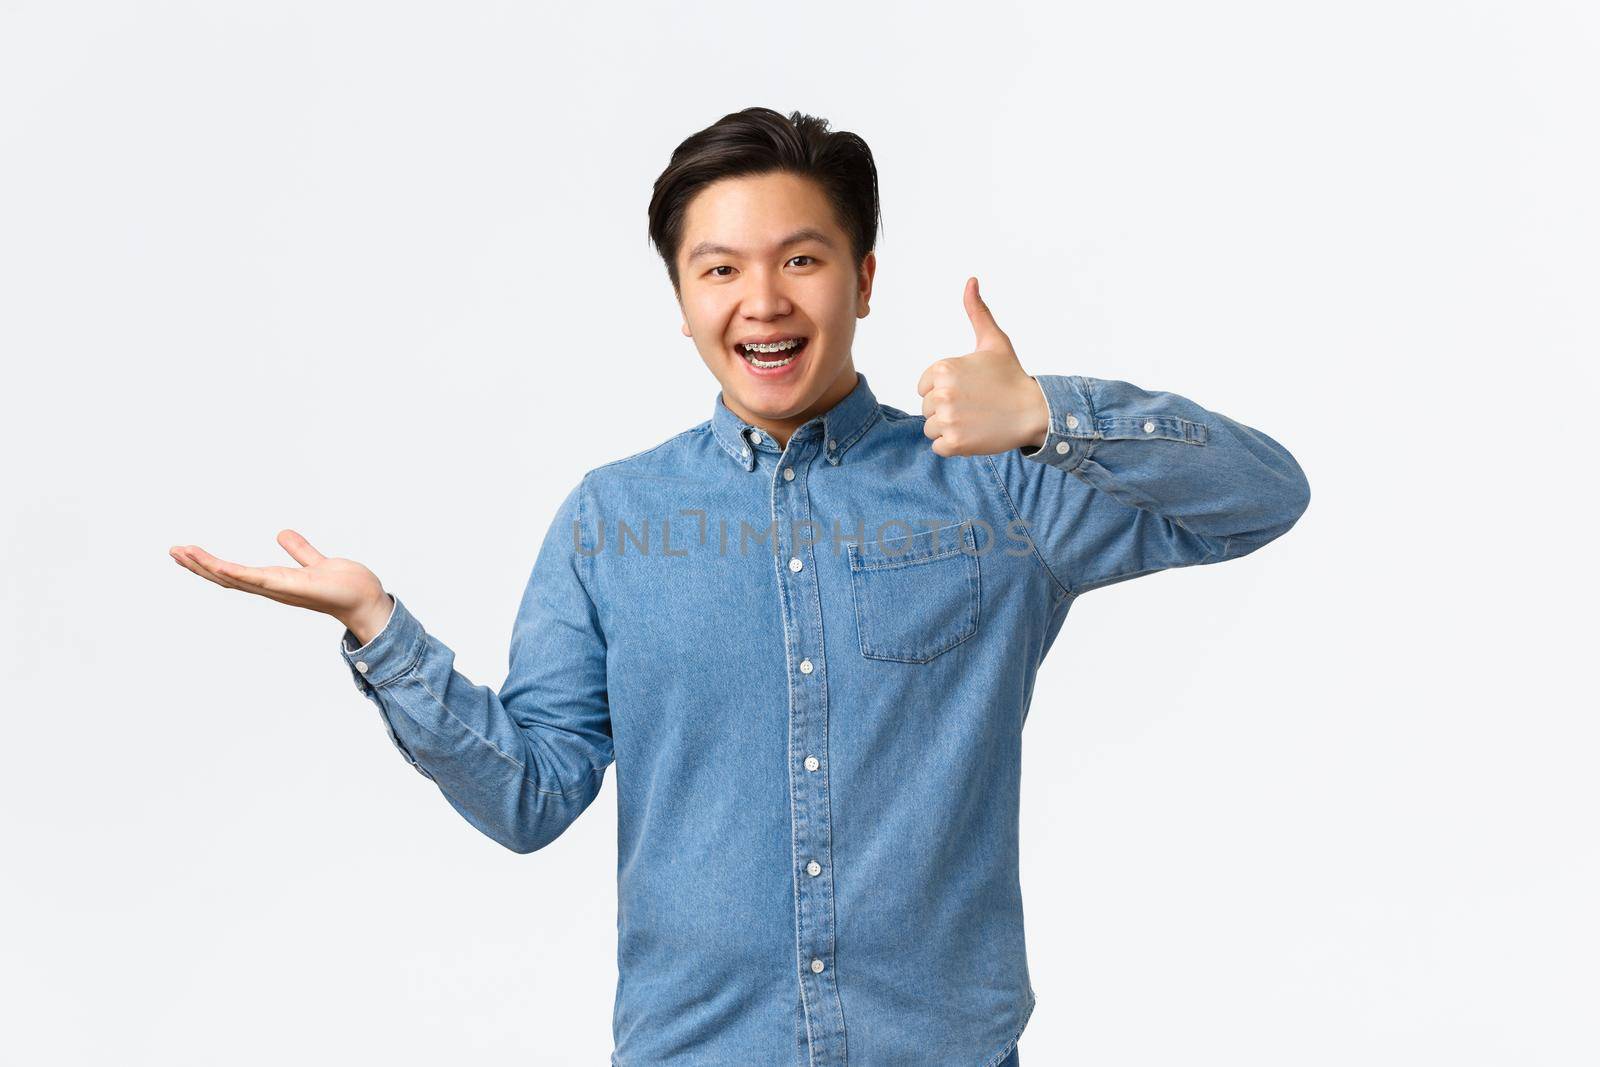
{"type": "Point", "coordinates": [982, 403]}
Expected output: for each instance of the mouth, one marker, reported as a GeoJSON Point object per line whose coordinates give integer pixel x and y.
{"type": "Point", "coordinates": [771, 355]}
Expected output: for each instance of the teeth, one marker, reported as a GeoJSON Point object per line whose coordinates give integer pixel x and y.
{"type": "Point", "coordinates": [753, 361]}
{"type": "Point", "coordinates": [775, 346]}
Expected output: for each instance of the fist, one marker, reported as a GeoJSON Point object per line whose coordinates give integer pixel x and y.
{"type": "Point", "coordinates": [982, 403]}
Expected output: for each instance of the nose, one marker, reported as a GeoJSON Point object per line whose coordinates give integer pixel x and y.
{"type": "Point", "coordinates": [763, 296]}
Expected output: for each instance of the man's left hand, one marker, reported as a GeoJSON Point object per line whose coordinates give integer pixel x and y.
{"type": "Point", "coordinates": [982, 403]}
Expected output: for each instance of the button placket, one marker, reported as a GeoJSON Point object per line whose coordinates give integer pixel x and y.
{"type": "Point", "coordinates": [808, 733]}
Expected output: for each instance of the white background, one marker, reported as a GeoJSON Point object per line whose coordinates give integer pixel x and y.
{"type": "Point", "coordinates": [378, 273]}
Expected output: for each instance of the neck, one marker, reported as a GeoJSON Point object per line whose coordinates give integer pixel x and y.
{"type": "Point", "coordinates": [780, 430]}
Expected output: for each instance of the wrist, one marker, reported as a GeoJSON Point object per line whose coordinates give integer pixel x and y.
{"type": "Point", "coordinates": [1036, 428]}
{"type": "Point", "coordinates": [369, 622]}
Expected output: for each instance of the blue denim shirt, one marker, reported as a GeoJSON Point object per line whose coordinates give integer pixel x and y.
{"type": "Point", "coordinates": [811, 666]}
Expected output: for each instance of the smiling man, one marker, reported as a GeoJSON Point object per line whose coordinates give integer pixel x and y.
{"type": "Point", "coordinates": [806, 631]}
{"type": "Point", "coordinates": [775, 317]}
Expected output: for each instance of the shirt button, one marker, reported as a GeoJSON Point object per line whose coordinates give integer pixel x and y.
{"type": "Point", "coordinates": [755, 437]}
{"type": "Point", "coordinates": [795, 564]}
{"type": "Point", "coordinates": [1149, 427]}
{"type": "Point", "coordinates": [812, 763]}
{"type": "Point", "coordinates": [744, 453]}
{"type": "Point", "coordinates": [361, 666]}
{"type": "Point", "coordinates": [813, 868]}
{"type": "Point", "coordinates": [816, 966]}
{"type": "Point", "coordinates": [830, 443]}
{"type": "Point", "coordinates": [1072, 422]}
{"type": "Point", "coordinates": [788, 474]}
{"type": "Point", "coordinates": [805, 666]}
{"type": "Point", "coordinates": [1062, 446]}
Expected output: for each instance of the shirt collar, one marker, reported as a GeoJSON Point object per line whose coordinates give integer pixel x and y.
{"type": "Point", "coordinates": [841, 426]}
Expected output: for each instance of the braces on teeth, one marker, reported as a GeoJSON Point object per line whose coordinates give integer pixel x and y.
{"type": "Point", "coordinates": [749, 351]}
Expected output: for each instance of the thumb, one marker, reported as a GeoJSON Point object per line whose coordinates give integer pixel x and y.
{"type": "Point", "coordinates": [988, 332]}
{"type": "Point", "coordinates": [299, 548]}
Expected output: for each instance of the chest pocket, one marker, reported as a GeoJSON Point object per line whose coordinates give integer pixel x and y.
{"type": "Point", "coordinates": [916, 594]}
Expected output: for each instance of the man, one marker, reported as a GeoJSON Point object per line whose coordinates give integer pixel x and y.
{"type": "Point", "coordinates": [806, 630]}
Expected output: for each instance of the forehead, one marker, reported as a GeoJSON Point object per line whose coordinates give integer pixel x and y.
{"type": "Point", "coordinates": [754, 212]}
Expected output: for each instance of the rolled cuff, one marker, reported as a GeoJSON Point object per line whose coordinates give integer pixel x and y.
{"type": "Point", "coordinates": [1072, 430]}
{"type": "Point", "coordinates": [388, 655]}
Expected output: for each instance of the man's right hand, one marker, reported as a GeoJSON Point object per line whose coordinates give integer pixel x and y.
{"type": "Point", "coordinates": [342, 588]}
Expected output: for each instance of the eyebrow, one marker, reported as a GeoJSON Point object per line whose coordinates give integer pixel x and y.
{"type": "Point", "coordinates": [711, 248]}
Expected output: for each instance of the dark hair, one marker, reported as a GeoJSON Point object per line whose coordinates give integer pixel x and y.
{"type": "Point", "coordinates": [759, 140]}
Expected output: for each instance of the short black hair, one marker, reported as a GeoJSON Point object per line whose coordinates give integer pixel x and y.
{"type": "Point", "coordinates": [759, 140]}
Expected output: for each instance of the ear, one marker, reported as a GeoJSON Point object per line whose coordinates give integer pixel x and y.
{"type": "Point", "coordinates": [869, 268]}
{"type": "Point", "coordinates": [686, 332]}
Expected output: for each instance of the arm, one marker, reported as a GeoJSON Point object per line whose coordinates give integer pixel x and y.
{"type": "Point", "coordinates": [522, 764]}
{"type": "Point", "coordinates": [1128, 482]}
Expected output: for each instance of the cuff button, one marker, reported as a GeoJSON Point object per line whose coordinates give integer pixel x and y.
{"type": "Point", "coordinates": [1072, 422]}
{"type": "Point", "coordinates": [361, 666]}
{"type": "Point", "coordinates": [1062, 446]}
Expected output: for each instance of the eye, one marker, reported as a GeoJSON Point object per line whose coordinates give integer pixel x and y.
{"type": "Point", "coordinates": [811, 260]}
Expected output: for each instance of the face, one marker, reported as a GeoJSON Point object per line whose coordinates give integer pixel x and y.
{"type": "Point", "coordinates": [764, 260]}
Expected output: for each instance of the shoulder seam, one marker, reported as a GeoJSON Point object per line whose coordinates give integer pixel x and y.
{"type": "Point", "coordinates": [701, 428]}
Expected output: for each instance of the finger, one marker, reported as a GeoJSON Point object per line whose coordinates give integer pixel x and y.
{"type": "Point", "coordinates": [929, 376]}
{"type": "Point", "coordinates": [238, 576]}
{"type": "Point", "coordinates": [934, 426]}
{"type": "Point", "coordinates": [299, 548]}
{"type": "Point", "coordinates": [273, 583]}
{"type": "Point", "coordinates": [210, 571]}
{"type": "Point", "coordinates": [182, 559]}
{"type": "Point", "coordinates": [987, 331]}
{"type": "Point", "coordinates": [286, 585]}
{"type": "Point", "coordinates": [186, 557]}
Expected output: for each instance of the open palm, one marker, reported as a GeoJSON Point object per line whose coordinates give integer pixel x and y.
{"type": "Point", "coordinates": [342, 588]}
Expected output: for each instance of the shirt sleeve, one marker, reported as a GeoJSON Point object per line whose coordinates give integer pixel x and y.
{"type": "Point", "coordinates": [523, 763]}
{"type": "Point", "coordinates": [1129, 482]}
